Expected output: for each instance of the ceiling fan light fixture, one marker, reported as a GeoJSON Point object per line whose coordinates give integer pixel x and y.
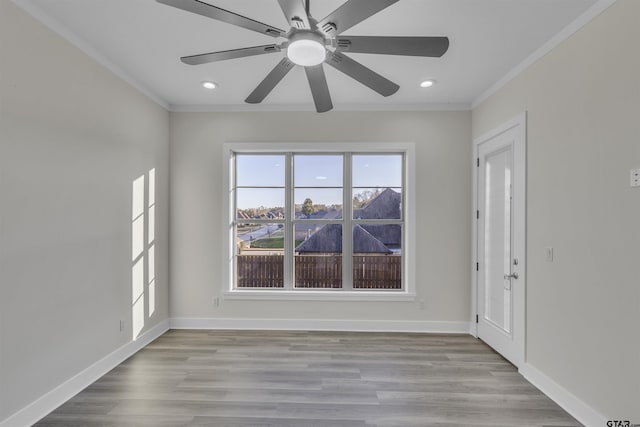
{"type": "Point", "coordinates": [310, 43]}
{"type": "Point", "coordinates": [306, 49]}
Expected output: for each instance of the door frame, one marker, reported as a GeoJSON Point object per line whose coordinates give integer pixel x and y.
{"type": "Point", "coordinates": [519, 125]}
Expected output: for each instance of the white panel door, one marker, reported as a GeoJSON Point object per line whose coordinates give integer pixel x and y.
{"type": "Point", "coordinates": [500, 240]}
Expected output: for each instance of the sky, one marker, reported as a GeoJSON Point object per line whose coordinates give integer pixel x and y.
{"type": "Point", "coordinates": [260, 171]}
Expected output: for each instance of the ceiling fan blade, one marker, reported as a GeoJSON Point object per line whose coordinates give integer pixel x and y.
{"type": "Point", "coordinates": [409, 46]}
{"type": "Point", "coordinates": [205, 9]}
{"type": "Point", "coordinates": [359, 72]}
{"type": "Point", "coordinates": [351, 13]}
{"type": "Point", "coordinates": [205, 58]}
{"type": "Point", "coordinates": [295, 13]}
{"type": "Point", "coordinates": [319, 88]}
{"type": "Point", "coordinates": [273, 78]}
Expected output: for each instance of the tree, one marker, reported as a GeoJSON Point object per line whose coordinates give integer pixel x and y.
{"type": "Point", "coordinates": [307, 207]}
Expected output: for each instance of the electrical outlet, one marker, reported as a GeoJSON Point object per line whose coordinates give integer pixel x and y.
{"type": "Point", "coordinates": [635, 177]}
{"type": "Point", "coordinates": [121, 325]}
{"type": "Point", "coordinates": [216, 301]}
{"type": "Point", "coordinates": [421, 304]}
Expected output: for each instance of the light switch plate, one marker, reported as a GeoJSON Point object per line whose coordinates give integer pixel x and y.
{"type": "Point", "coordinates": [635, 177]}
{"type": "Point", "coordinates": [548, 254]}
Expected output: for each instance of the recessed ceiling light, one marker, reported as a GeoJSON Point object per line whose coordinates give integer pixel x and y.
{"type": "Point", "coordinates": [427, 83]}
{"type": "Point", "coordinates": [209, 85]}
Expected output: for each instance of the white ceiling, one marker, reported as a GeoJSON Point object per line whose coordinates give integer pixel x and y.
{"type": "Point", "coordinates": [142, 41]}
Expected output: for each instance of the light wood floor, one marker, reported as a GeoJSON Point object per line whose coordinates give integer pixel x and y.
{"type": "Point", "coordinates": [299, 379]}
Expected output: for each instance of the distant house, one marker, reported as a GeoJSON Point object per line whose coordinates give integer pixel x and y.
{"type": "Point", "coordinates": [386, 205]}
{"type": "Point", "coordinates": [331, 213]}
{"type": "Point", "coordinates": [276, 213]}
{"type": "Point", "coordinates": [367, 238]}
{"type": "Point", "coordinates": [304, 230]}
{"type": "Point", "coordinates": [329, 239]}
{"type": "Point", "coordinates": [243, 215]}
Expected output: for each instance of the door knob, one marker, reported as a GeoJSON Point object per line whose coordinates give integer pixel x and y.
{"type": "Point", "coordinates": [511, 276]}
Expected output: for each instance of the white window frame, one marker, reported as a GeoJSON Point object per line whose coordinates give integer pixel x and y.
{"type": "Point", "coordinates": [408, 292]}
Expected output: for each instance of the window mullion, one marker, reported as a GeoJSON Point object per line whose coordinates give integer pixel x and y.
{"type": "Point", "coordinates": [289, 232]}
{"type": "Point", "coordinates": [347, 228]}
{"type": "Point", "coordinates": [233, 216]}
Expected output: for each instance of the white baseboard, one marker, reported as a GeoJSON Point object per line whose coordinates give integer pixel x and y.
{"type": "Point", "coordinates": [567, 400]}
{"type": "Point", "coordinates": [56, 397]}
{"type": "Point", "coordinates": [322, 325]}
{"type": "Point", "coordinates": [36, 410]}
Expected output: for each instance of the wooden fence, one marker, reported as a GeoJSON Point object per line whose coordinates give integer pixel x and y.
{"type": "Point", "coordinates": [320, 271]}
{"type": "Point", "coordinates": [260, 271]}
{"type": "Point", "coordinates": [377, 272]}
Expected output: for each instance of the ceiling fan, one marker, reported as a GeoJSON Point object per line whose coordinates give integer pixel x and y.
{"type": "Point", "coordinates": [310, 43]}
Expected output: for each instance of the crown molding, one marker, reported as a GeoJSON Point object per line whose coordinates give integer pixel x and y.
{"type": "Point", "coordinates": [567, 32]}
{"type": "Point", "coordinates": [64, 32]}
{"type": "Point", "coordinates": [239, 108]}
{"type": "Point", "coordinates": [60, 29]}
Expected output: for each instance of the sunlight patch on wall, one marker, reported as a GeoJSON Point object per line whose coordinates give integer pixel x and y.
{"type": "Point", "coordinates": [137, 237]}
{"type": "Point", "coordinates": [137, 228]}
{"type": "Point", "coordinates": [151, 237]}
{"type": "Point", "coordinates": [152, 224]}
{"type": "Point", "coordinates": [151, 274]}
{"type": "Point", "coordinates": [137, 201]}
{"type": "Point", "coordinates": [137, 290]}
{"type": "Point", "coordinates": [143, 287]}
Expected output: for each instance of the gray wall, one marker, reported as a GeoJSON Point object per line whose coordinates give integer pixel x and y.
{"type": "Point", "coordinates": [73, 137]}
{"type": "Point", "coordinates": [443, 206]}
{"type": "Point", "coordinates": [583, 310]}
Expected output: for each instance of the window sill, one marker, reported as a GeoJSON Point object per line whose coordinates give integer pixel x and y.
{"type": "Point", "coordinates": [304, 295]}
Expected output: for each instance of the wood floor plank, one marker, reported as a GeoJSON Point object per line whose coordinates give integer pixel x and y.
{"type": "Point", "coordinates": [311, 379]}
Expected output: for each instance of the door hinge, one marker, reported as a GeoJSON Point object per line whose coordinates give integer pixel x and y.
{"type": "Point", "coordinates": [478, 162]}
{"type": "Point", "coordinates": [477, 318]}
{"type": "Point", "coordinates": [477, 266]}
{"type": "Point", "coordinates": [477, 214]}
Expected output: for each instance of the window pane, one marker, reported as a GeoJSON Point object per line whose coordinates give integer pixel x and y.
{"type": "Point", "coordinates": [377, 256]}
{"type": "Point", "coordinates": [260, 256]}
{"type": "Point", "coordinates": [263, 170]}
{"type": "Point", "coordinates": [317, 171]}
{"type": "Point", "coordinates": [266, 203]}
{"type": "Point", "coordinates": [318, 203]}
{"type": "Point", "coordinates": [302, 194]}
{"type": "Point", "coordinates": [377, 170]}
{"type": "Point", "coordinates": [377, 203]}
{"type": "Point", "coordinates": [259, 235]}
{"type": "Point", "coordinates": [318, 256]}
